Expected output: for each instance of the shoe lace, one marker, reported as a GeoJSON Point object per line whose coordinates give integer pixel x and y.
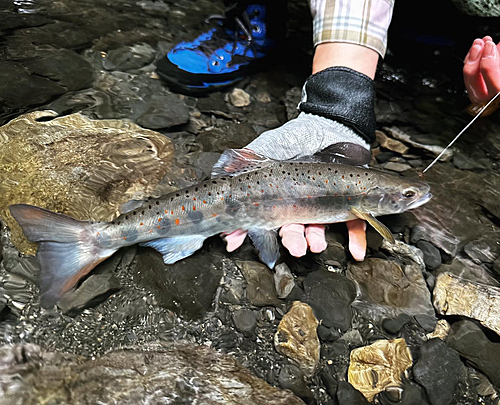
{"type": "Point", "coordinates": [230, 28]}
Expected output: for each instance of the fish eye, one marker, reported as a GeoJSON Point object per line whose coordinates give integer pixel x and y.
{"type": "Point", "coordinates": [409, 193]}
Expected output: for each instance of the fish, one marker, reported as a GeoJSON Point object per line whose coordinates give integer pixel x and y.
{"type": "Point", "coordinates": [247, 191]}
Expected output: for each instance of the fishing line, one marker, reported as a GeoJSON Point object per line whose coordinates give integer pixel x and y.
{"type": "Point", "coordinates": [461, 132]}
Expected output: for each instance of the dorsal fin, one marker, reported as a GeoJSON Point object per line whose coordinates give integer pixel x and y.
{"type": "Point", "coordinates": [234, 162]}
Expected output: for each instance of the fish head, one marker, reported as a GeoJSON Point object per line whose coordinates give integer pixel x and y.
{"type": "Point", "coordinates": [393, 195]}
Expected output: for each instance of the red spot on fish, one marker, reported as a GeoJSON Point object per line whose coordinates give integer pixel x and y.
{"type": "Point", "coordinates": [194, 208]}
{"type": "Point", "coordinates": [150, 231]}
{"type": "Point", "coordinates": [326, 181]}
{"type": "Point", "coordinates": [294, 206]}
{"type": "Point", "coordinates": [158, 227]}
{"type": "Point", "coordinates": [248, 194]}
{"type": "Point", "coordinates": [347, 186]}
{"type": "Point", "coordinates": [222, 198]}
{"type": "Point", "coordinates": [142, 223]}
{"type": "Point", "coordinates": [280, 199]}
{"type": "Point", "coordinates": [183, 208]}
{"type": "Point", "coordinates": [204, 202]}
{"type": "Point", "coordinates": [335, 195]}
{"type": "Point", "coordinates": [214, 215]}
{"type": "Point", "coordinates": [97, 234]}
{"type": "Point", "coordinates": [194, 198]}
{"type": "Point", "coordinates": [274, 206]}
{"type": "Point", "coordinates": [270, 185]}
{"type": "Point", "coordinates": [256, 204]}
{"type": "Point", "coordinates": [172, 212]}
{"type": "Point", "coordinates": [342, 176]}
{"type": "Point", "coordinates": [348, 198]}
{"type": "Point", "coordinates": [124, 238]}
{"type": "Point", "coordinates": [159, 219]}
{"type": "Point", "coordinates": [230, 195]}
{"type": "Point", "coordinates": [309, 196]}
{"type": "Point", "coordinates": [177, 221]}
{"type": "Point", "coordinates": [261, 191]}
{"type": "Point", "coordinates": [166, 211]}
{"type": "Point", "coordinates": [249, 187]}
{"type": "Point", "coordinates": [334, 184]}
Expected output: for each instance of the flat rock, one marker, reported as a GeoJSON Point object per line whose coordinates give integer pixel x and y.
{"type": "Point", "coordinates": [456, 296]}
{"type": "Point", "coordinates": [297, 339]}
{"type": "Point", "coordinates": [469, 340]}
{"type": "Point", "coordinates": [239, 98]}
{"type": "Point", "coordinates": [373, 368]}
{"type": "Point", "coordinates": [162, 374]}
{"type": "Point", "coordinates": [260, 283]}
{"type": "Point", "coordinates": [330, 295]}
{"type": "Point", "coordinates": [77, 166]}
{"type": "Point", "coordinates": [438, 370]}
{"type": "Point", "coordinates": [390, 143]}
{"type": "Point", "coordinates": [388, 289]}
{"type": "Point", "coordinates": [463, 208]}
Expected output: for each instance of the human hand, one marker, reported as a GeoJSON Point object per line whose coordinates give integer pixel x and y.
{"type": "Point", "coordinates": [482, 70]}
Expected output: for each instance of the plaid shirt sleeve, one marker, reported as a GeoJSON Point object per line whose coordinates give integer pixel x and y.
{"type": "Point", "coordinates": [362, 22]}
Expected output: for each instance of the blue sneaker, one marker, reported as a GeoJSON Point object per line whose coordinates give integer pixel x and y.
{"type": "Point", "coordinates": [223, 55]}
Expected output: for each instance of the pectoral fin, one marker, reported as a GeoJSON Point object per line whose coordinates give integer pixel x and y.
{"type": "Point", "coordinates": [379, 226]}
{"type": "Point", "coordinates": [176, 248]}
{"type": "Point", "coordinates": [266, 243]}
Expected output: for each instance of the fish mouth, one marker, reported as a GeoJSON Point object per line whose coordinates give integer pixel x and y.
{"type": "Point", "coordinates": [419, 202]}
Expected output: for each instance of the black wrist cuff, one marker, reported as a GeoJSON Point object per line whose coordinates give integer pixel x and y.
{"type": "Point", "coordinates": [344, 95]}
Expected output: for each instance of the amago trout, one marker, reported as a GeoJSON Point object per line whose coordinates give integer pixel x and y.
{"type": "Point", "coordinates": [258, 195]}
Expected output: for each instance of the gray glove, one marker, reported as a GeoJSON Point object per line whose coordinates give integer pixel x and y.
{"type": "Point", "coordinates": [337, 121]}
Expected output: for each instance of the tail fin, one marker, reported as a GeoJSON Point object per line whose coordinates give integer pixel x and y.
{"type": "Point", "coordinates": [67, 249]}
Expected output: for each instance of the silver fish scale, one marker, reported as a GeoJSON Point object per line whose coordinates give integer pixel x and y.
{"type": "Point", "coordinates": [282, 193]}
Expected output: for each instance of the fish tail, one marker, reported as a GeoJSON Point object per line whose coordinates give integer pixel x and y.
{"type": "Point", "coordinates": [67, 249]}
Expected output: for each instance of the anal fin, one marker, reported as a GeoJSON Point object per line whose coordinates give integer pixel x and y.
{"type": "Point", "coordinates": [266, 243]}
{"type": "Point", "coordinates": [176, 248]}
{"type": "Point", "coordinates": [377, 225]}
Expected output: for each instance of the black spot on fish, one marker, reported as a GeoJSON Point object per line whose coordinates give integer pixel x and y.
{"type": "Point", "coordinates": [165, 227]}
{"type": "Point", "coordinates": [195, 216]}
{"type": "Point", "coordinates": [150, 207]}
{"type": "Point", "coordinates": [177, 195]}
{"type": "Point", "coordinates": [214, 182]}
{"type": "Point", "coordinates": [196, 189]}
{"type": "Point", "coordinates": [134, 213]}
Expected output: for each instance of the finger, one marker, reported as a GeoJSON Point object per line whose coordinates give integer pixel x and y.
{"type": "Point", "coordinates": [292, 237]}
{"type": "Point", "coordinates": [235, 239]}
{"type": "Point", "coordinates": [473, 80]}
{"type": "Point", "coordinates": [315, 236]}
{"type": "Point", "coordinates": [357, 238]}
{"type": "Point", "coordinates": [490, 68]}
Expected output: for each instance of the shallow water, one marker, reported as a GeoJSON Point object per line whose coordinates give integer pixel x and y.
{"type": "Point", "coordinates": [97, 59]}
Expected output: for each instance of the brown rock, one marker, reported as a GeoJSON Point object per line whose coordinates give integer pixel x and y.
{"type": "Point", "coordinates": [390, 143]}
{"type": "Point", "coordinates": [297, 339]}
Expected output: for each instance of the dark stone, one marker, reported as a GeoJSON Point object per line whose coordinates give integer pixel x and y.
{"type": "Point", "coordinates": [128, 57]}
{"type": "Point", "coordinates": [383, 157]}
{"type": "Point", "coordinates": [64, 67]}
{"type": "Point", "coordinates": [260, 283]}
{"type": "Point", "coordinates": [330, 382]}
{"type": "Point", "coordinates": [186, 287]}
{"type": "Point", "coordinates": [438, 370]}
{"type": "Point", "coordinates": [408, 394]}
{"type": "Point", "coordinates": [245, 320]}
{"type": "Point", "coordinates": [226, 136]}
{"type": "Point", "coordinates": [164, 111]}
{"type": "Point", "coordinates": [469, 340]}
{"type": "Point", "coordinates": [348, 395]}
{"type": "Point", "coordinates": [432, 256]}
{"type": "Point", "coordinates": [330, 296]}
{"type": "Point", "coordinates": [291, 378]}
{"type": "Point", "coordinates": [328, 334]}
{"type": "Point", "coordinates": [19, 88]}
{"type": "Point", "coordinates": [428, 323]}
{"type": "Point", "coordinates": [373, 238]}
{"type": "Point", "coordinates": [417, 233]}
{"type": "Point", "coordinates": [393, 326]}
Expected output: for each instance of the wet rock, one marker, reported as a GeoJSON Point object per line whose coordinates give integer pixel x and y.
{"type": "Point", "coordinates": [432, 256]}
{"type": "Point", "coordinates": [466, 268]}
{"type": "Point", "coordinates": [245, 320]}
{"type": "Point", "coordinates": [20, 88]}
{"type": "Point", "coordinates": [291, 378]}
{"type": "Point", "coordinates": [297, 339]}
{"type": "Point", "coordinates": [391, 144]}
{"type": "Point", "coordinates": [330, 295]}
{"type": "Point", "coordinates": [372, 368]}
{"type": "Point", "coordinates": [226, 136]}
{"type": "Point", "coordinates": [393, 326]}
{"type": "Point", "coordinates": [195, 374]}
{"type": "Point", "coordinates": [292, 98]}
{"type": "Point", "coordinates": [408, 394]}
{"type": "Point", "coordinates": [434, 149]}
{"type": "Point", "coordinates": [283, 280]}
{"type": "Point", "coordinates": [93, 290]}
{"type": "Point", "coordinates": [440, 331]}
{"type": "Point", "coordinates": [397, 167]}
{"type": "Point", "coordinates": [263, 97]}
{"type": "Point", "coordinates": [438, 370]}
{"type": "Point", "coordinates": [388, 289]}
{"type": "Point", "coordinates": [483, 250]}
{"type": "Point", "coordinates": [164, 111]}
{"type": "Point", "coordinates": [474, 195]}
{"type": "Point", "coordinates": [326, 334]}
{"type": "Point", "coordinates": [260, 283]}
{"type": "Point", "coordinates": [456, 296]}
{"type": "Point", "coordinates": [187, 287]}
{"type": "Point", "coordinates": [77, 166]}
{"type": "Point", "coordinates": [239, 98]}
{"type": "Point", "coordinates": [469, 340]}
{"type": "Point", "coordinates": [129, 57]}
{"type": "Point", "coordinates": [348, 395]}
